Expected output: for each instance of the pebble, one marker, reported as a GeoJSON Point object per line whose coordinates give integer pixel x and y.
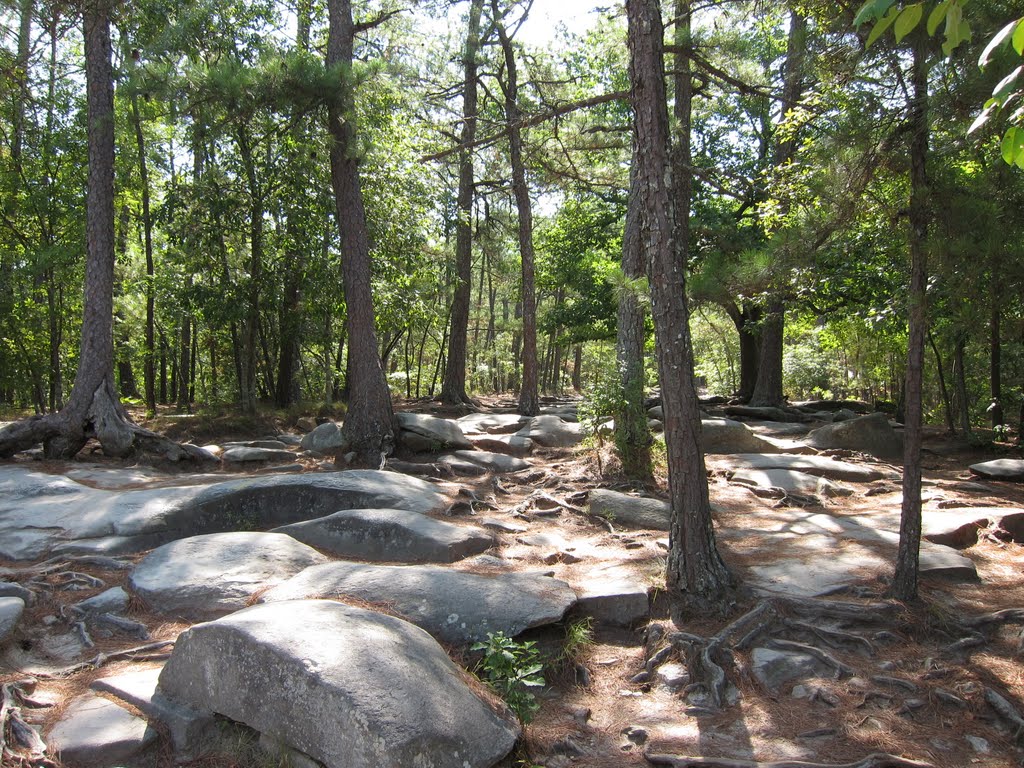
{"type": "Point", "coordinates": [978, 744]}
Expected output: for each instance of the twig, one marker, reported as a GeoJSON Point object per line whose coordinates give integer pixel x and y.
{"type": "Point", "coordinates": [103, 658]}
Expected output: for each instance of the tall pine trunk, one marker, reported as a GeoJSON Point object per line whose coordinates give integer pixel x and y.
{"type": "Point", "coordinates": [369, 424]}
{"type": "Point", "coordinates": [529, 396]}
{"type": "Point", "coordinates": [904, 583]}
{"type": "Point", "coordinates": [697, 578]}
{"type": "Point", "coordinates": [453, 389]}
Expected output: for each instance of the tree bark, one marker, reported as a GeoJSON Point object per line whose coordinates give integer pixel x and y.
{"type": "Point", "coordinates": [632, 435]}
{"type": "Point", "coordinates": [149, 355]}
{"type": "Point", "coordinates": [453, 389]}
{"type": "Point", "coordinates": [697, 578]}
{"type": "Point", "coordinates": [370, 422]}
{"type": "Point", "coordinates": [768, 388]}
{"type": "Point", "coordinates": [747, 319]}
{"type": "Point", "coordinates": [529, 396]}
{"type": "Point", "coordinates": [904, 583]}
{"type": "Point", "coordinates": [996, 356]}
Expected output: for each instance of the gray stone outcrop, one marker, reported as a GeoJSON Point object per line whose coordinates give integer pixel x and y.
{"type": "Point", "coordinates": [353, 689]}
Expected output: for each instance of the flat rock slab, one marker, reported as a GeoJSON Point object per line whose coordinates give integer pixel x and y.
{"type": "Point", "coordinates": [612, 595]}
{"type": "Point", "coordinates": [492, 423]}
{"type": "Point", "coordinates": [822, 466]}
{"type": "Point", "coordinates": [870, 434]}
{"type": "Point", "coordinates": [959, 527]}
{"type": "Point", "coordinates": [244, 454]}
{"type": "Point", "coordinates": [494, 462]}
{"type": "Point", "coordinates": [434, 433]}
{"type": "Point", "coordinates": [455, 606]}
{"type": "Point", "coordinates": [632, 511]}
{"type": "Point", "coordinates": [728, 436]}
{"type": "Point", "coordinates": [11, 609]}
{"type": "Point", "coordinates": [41, 514]}
{"type": "Point", "coordinates": [96, 732]}
{"type": "Point", "coordinates": [189, 728]}
{"type": "Point", "coordinates": [791, 481]}
{"type": "Point", "coordinates": [461, 467]}
{"type": "Point", "coordinates": [390, 535]}
{"type": "Point", "coordinates": [1000, 469]}
{"type": "Point", "coordinates": [217, 573]}
{"type": "Point", "coordinates": [354, 688]}
{"type": "Point", "coordinates": [552, 431]}
{"type": "Point", "coordinates": [513, 445]}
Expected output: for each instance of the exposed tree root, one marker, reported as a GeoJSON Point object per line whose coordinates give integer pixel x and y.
{"type": "Point", "coordinates": [877, 760]}
{"type": "Point", "coordinates": [25, 748]}
{"type": "Point", "coordinates": [1007, 711]}
{"type": "Point", "coordinates": [709, 659]}
{"type": "Point", "coordinates": [138, 653]}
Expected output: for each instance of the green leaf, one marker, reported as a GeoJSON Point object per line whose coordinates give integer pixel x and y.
{"type": "Point", "coordinates": [873, 9]}
{"type": "Point", "coordinates": [879, 29]}
{"type": "Point", "coordinates": [1005, 87]}
{"type": "Point", "coordinates": [995, 42]}
{"type": "Point", "coordinates": [1018, 38]}
{"type": "Point", "coordinates": [981, 119]}
{"type": "Point", "coordinates": [1012, 146]}
{"type": "Point", "coordinates": [937, 15]}
{"type": "Point", "coordinates": [908, 19]}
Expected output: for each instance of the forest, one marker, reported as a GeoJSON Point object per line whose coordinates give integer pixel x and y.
{"type": "Point", "coordinates": [721, 221]}
{"type": "Point", "coordinates": [495, 179]}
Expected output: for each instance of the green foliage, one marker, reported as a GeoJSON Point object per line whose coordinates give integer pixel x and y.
{"type": "Point", "coordinates": [579, 638]}
{"type": "Point", "coordinates": [511, 668]}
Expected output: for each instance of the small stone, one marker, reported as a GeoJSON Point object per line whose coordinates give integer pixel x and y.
{"type": "Point", "coordinates": [580, 714]}
{"type": "Point", "coordinates": [11, 609]}
{"type": "Point", "coordinates": [636, 734]}
{"type": "Point", "coordinates": [114, 600]}
{"type": "Point", "coordinates": [978, 744]}
{"type": "Point", "coordinates": [673, 676]}
{"type": "Point", "coordinates": [800, 692]}
{"type": "Point", "coordinates": [887, 666]}
{"type": "Point", "coordinates": [639, 678]}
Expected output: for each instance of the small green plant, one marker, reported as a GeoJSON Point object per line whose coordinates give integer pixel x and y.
{"type": "Point", "coordinates": [1002, 432]}
{"type": "Point", "coordinates": [579, 637]}
{"type": "Point", "coordinates": [511, 668]}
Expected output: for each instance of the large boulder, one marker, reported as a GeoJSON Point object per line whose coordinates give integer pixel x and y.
{"type": "Point", "coordinates": [40, 514]}
{"type": "Point", "coordinates": [631, 511]}
{"type": "Point", "coordinates": [513, 445]}
{"type": "Point", "coordinates": [390, 535]}
{"type": "Point", "coordinates": [325, 438]}
{"type": "Point", "coordinates": [96, 731]}
{"type": "Point", "coordinates": [870, 434]}
{"type": "Point", "coordinates": [1000, 469]}
{"type": "Point", "coordinates": [429, 433]}
{"type": "Point", "coordinates": [728, 436]}
{"type": "Point", "coordinates": [457, 607]}
{"type": "Point", "coordinates": [247, 454]}
{"type": "Point", "coordinates": [11, 609]}
{"type": "Point", "coordinates": [352, 689]}
{"type": "Point", "coordinates": [552, 431]}
{"type": "Point", "coordinates": [209, 575]}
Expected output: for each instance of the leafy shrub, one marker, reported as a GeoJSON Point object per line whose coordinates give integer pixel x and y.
{"type": "Point", "coordinates": [511, 668]}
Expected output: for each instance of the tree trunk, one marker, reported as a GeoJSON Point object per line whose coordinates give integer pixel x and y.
{"type": "Point", "coordinates": [453, 389]}
{"type": "Point", "coordinates": [768, 389]}
{"type": "Point", "coordinates": [943, 389]}
{"type": "Point", "coordinates": [904, 583]}
{"type": "Point", "coordinates": [632, 435]}
{"type": "Point", "coordinates": [747, 319]}
{"type": "Point", "coordinates": [960, 382]}
{"type": "Point", "coordinates": [697, 578]}
{"type": "Point", "coordinates": [370, 423]}
{"type": "Point", "coordinates": [996, 357]}
{"type": "Point", "coordinates": [247, 380]}
{"type": "Point", "coordinates": [184, 382]}
{"type": "Point", "coordinates": [148, 372]}
{"type": "Point", "coordinates": [93, 408]}
{"type": "Point", "coordinates": [529, 397]}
